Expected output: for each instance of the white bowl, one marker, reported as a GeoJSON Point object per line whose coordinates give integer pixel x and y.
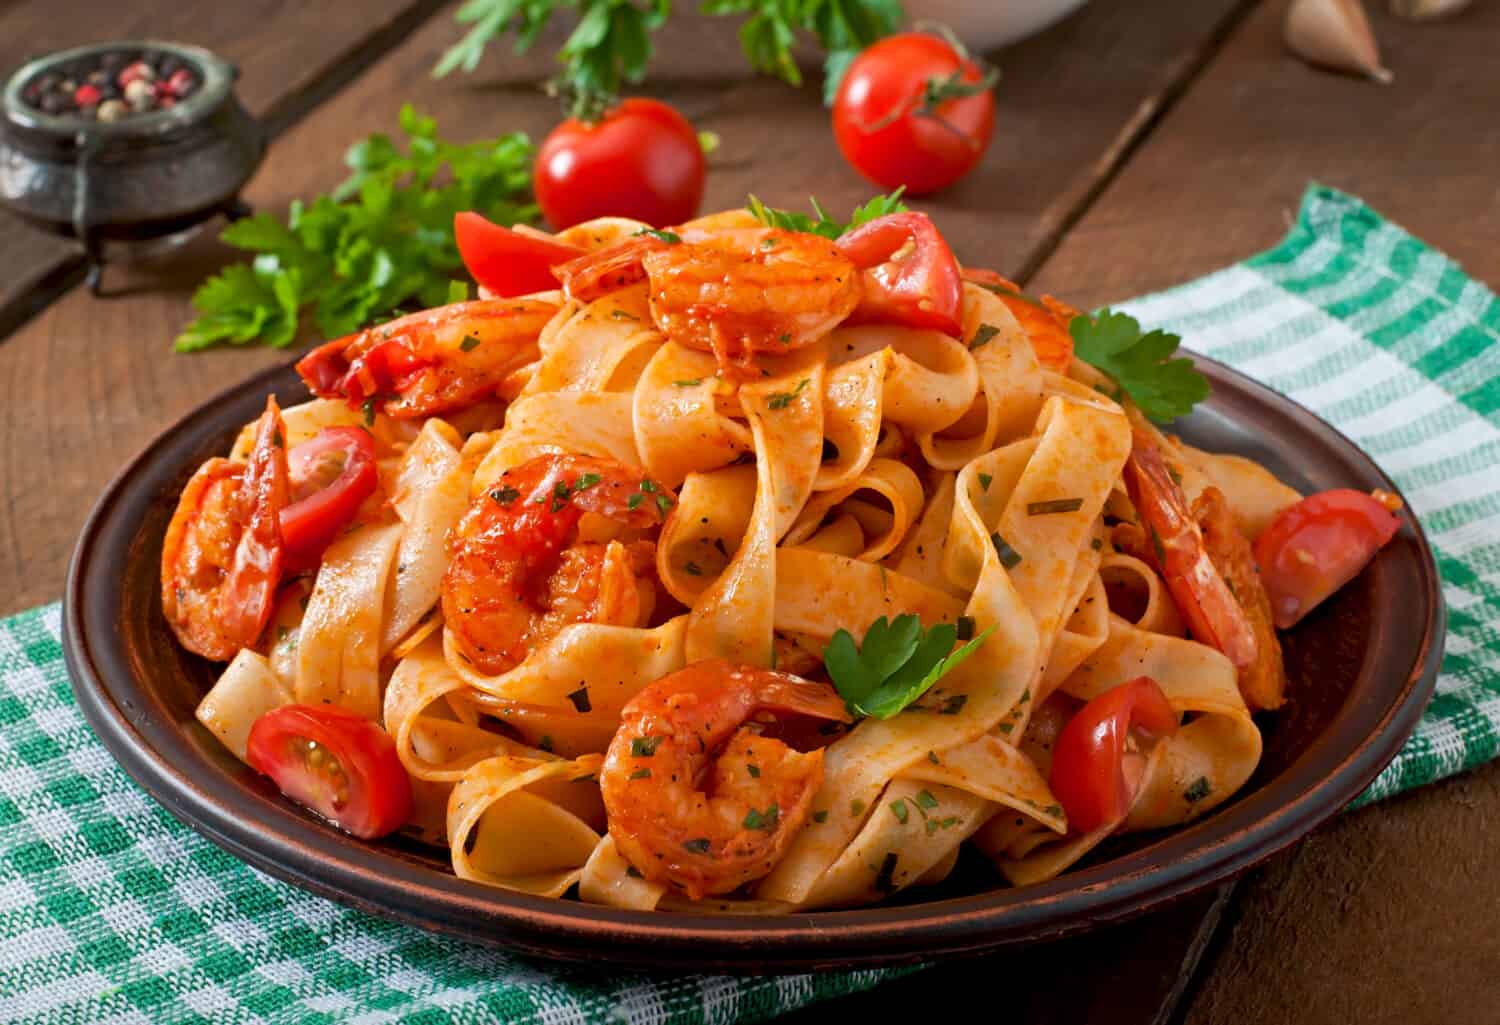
{"type": "Point", "coordinates": [986, 24]}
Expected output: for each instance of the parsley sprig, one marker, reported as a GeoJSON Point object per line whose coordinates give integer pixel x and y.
{"type": "Point", "coordinates": [821, 223]}
{"type": "Point", "coordinates": [382, 238]}
{"type": "Point", "coordinates": [611, 43]}
{"type": "Point", "coordinates": [1139, 362]}
{"type": "Point", "coordinates": [895, 664]}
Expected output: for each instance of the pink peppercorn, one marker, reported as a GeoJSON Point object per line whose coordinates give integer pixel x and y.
{"type": "Point", "coordinates": [140, 69]}
{"type": "Point", "coordinates": [180, 82]}
{"type": "Point", "coordinates": [87, 95]}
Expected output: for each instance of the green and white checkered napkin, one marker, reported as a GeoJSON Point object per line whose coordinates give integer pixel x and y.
{"type": "Point", "coordinates": [112, 911]}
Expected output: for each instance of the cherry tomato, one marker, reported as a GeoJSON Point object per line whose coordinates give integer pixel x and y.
{"type": "Point", "coordinates": [913, 110]}
{"type": "Point", "coordinates": [331, 474]}
{"type": "Point", "coordinates": [507, 262]}
{"type": "Point", "coordinates": [1313, 548]}
{"type": "Point", "coordinates": [641, 159]}
{"type": "Point", "coordinates": [338, 764]}
{"type": "Point", "coordinates": [910, 275]}
{"type": "Point", "coordinates": [1088, 771]}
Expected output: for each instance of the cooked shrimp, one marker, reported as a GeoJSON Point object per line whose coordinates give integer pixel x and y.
{"type": "Point", "coordinates": [222, 557]}
{"type": "Point", "coordinates": [592, 275]}
{"type": "Point", "coordinates": [749, 291]}
{"type": "Point", "coordinates": [518, 574]}
{"type": "Point", "coordinates": [1263, 681]}
{"type": "Point", "coordinates": [696, 798]}
{"type": "Point", "coordinates": [430, 362]}
{"type": "Point", "coordinates": [1045, 322]}
{"type": "Point", "coordinates": [1176, 549]}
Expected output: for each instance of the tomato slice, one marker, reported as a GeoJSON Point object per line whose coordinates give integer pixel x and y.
{"type": "Point", "coordinates": [331, 474]}
{"type": "Point", "coordinates": [507, 262]}
{"type": "Point", "coordinates": [1088, 760]}
{"type": "Point", "coordinates": [336, 763]}
{"type": "Point", "coordinates": [1313, 548]}
{"type": "Point", "coordinates": [910, 275]}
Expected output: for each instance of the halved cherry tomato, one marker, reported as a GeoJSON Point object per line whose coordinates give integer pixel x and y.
{"type": "Point", "coordinates": [507, 262]}
{"type": "Point", "coordinates": [336, 763]}
{"type": "Point", "coordinates": [640, 159]}
{"type": "Point", "coordinates": [1313, 548]}
{"type": "Point", "coordinates": [331, 474]}
{"type": "Point", "coordinates": [910, 275]}
{"type": "Point", "coordinates": [914, 110]}
{"type": "Point", "coordinates": [1088, 771]}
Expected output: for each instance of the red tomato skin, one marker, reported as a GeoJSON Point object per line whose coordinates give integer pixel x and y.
{"type": "Point", "coordinates": [380, 798]}
{"type": "Point", "coordinates": [309, 525]}
{"type": "Point", "coordinates": [1313, 548]}
{"type": "Point", "coordinates": [922, 288]}
{"type": "Point", "coordinates": [507, 262]}
{"type": "Point", "coordinates": [642, 160]}
{"type": "Point", "coordinates": [1087, 776]}
{"type": "Point", "coordinates": [923, 153]}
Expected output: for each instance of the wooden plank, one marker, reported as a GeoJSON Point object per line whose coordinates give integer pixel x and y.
{"type": "Point", "coordinates": [1221, 179]}
{"type": "Point", "coordinates": [1373, 918]}
{"type": "Point", "coordinates": [291, 56]}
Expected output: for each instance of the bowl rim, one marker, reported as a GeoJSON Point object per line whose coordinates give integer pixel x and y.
{"type": "Point", "coordinates": [290, 845]}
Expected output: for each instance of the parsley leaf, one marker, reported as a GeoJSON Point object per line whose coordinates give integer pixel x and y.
{"type": "Point", "coordinates": [822, 224]}
{"type": "Point", "coordinates": [382, 238]}
{"type": "Point", "coordinates": [611, 43]}
{"type": "Point", "coordinates": [895, 665]}
{"type": "Point", "coordinates": [1163, 388]}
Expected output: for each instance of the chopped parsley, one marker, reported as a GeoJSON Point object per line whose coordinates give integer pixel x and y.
{"type": "Point", "coordinates": [644, 747]}
{"type": "Point", "coordinates": [1055, 505]}
{"type": "Point", "coordinates": [671, 238]}
{"type": "Point", "coordinates": [692, 569]}
{"type": "Point", "coordinates": [691, 382]}
{"type": "Point", "coordinates": [782, 399]}
{"type": "Point", "coordinates": [641, 774]}
{"type": "Point", "coordinates": [926, 800]}
{"type": "Point", "coordinates": [698, 846]}
{"type": "Point", "coordinates": [765, 820]}
{"type": "Point", "coordinates": [505, 495]}
{"type": "Point", "coordinates": [1200, 789]}
{"type": "Point", "coordinates": [1009, 557]}
{"type": "Point", "coordinates": [985, 480]}
{"type": "Point", "coordinates": [983, 334]}
{"type": "Point", "coordinates": [580, 699]}
{"type": "Point", "coordinates": [898, 809]}
{"type": "Point", "coordinates": [470, 343]}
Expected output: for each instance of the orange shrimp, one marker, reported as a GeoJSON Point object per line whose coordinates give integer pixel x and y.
{"type": "Point", "coordinates": [430, 362]}
{"type": "Point", "coordinates": [747, 291]}
{"type": "Point", "coordinates": [698, 800]}
{"type": "Point", "coordinates": [601, 271]}
{"type": "Point", "coordinates": [1045, 321]}
{"type": "Point", "coordinates": [222, 557]}
{"type": "Point", "coordinates": [1205, 601]}
{"type": "Point", "coordinates": [517, 574]}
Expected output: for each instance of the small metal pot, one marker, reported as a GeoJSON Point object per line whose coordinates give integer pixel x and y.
{"type": "Point", "coordinates": [143, 177]}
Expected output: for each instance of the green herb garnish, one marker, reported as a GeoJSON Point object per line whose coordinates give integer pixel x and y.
{"type": "Point", "coordinates": [895, 664]}
{"type": "Point", "coordinates": [1056, 505]}
{"type": "Point", "coordinates": [822, 224]}
{"type": "Point", "coordinates": [381, 239]}
{"type": "Point", "coordinates": [1139, 362]}
{"type": "Point", "coordinates": [644, 747]}
{"type": "Point", "coordinates": [671, 238]}
{"type": "Point", "coordinates": [782, 399]}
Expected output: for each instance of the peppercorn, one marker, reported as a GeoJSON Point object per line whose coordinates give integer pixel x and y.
{"type": "Point", "coordinates": [139, 93]}
{"type": "Point", "coordinates": [112, 110]}
{"type": "Point", "coordinates": [86, 96]}
{"type": "Point", "coordinates": [134, 72]}
{"type": "Point", "coordinates": [181, 83]}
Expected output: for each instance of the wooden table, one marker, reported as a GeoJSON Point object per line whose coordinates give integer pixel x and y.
{"type": "Point", "coordinates": [1140, 143]}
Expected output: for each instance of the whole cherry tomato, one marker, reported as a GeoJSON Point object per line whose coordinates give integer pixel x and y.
{"type": "Point", "coordinates": [1088, 771]}
{"type": "Point", "coordinates": [914, 110]}
{"type": "Point", "coordinates": [640, 159]}
{"type": "Point", "coordinates": [1313, 548]}
{"type": "Point", "coordinates": [338, 764]}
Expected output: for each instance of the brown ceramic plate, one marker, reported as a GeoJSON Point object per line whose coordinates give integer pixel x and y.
{"type": "Point", "coordinates": [1362, 668]}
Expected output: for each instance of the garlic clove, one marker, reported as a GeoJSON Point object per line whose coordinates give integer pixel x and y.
{"type": "Point", "coordinates": [1334, 34]}
{"type": "Point", "coordinates": [1423, 10]}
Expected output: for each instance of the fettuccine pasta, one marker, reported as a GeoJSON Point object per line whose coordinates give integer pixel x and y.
{"type": "Point", "coordinates": [601, 568]}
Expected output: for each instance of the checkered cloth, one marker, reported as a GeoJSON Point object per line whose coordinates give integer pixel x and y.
{"type": "Point", "coordinates": [110, 911]}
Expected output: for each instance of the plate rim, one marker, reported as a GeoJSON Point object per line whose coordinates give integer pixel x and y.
{"type": "Point", "coordinates": [298, 850]}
